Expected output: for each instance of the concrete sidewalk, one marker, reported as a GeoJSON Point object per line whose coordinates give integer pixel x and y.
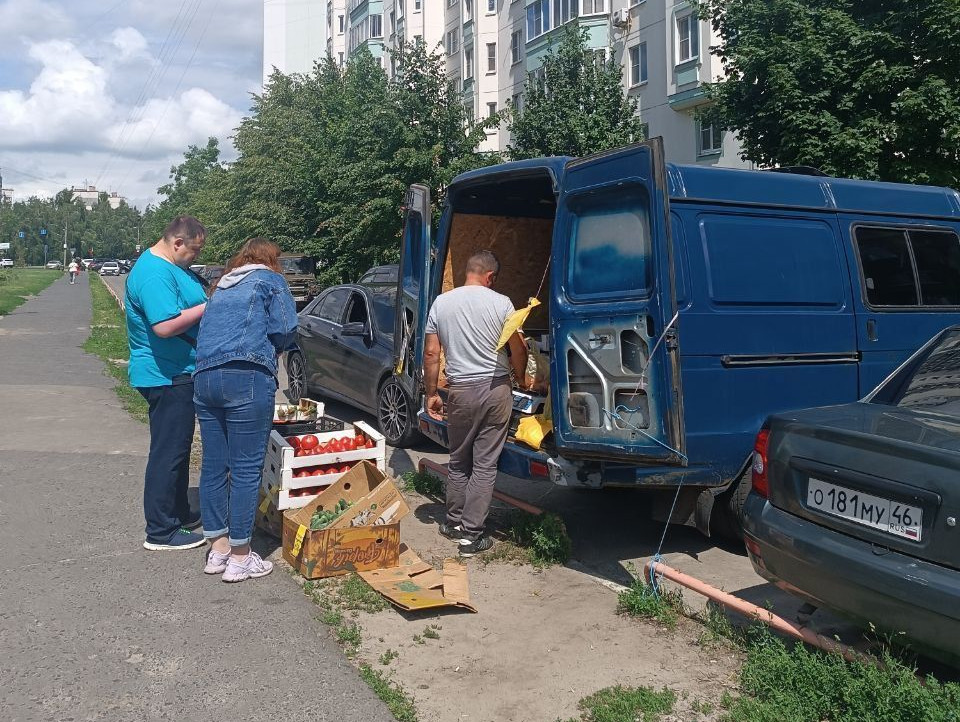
{"type": "Point", "coordinates": [93, 627]}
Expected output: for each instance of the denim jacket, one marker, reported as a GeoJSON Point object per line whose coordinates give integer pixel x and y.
{"type": "Point", "coordinates": [251, 316]}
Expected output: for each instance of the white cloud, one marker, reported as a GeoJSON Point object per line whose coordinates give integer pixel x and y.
{"type": "Point", "coordinates": [32, 17]}
{"type": "Point", "coordinates": [130, 42]}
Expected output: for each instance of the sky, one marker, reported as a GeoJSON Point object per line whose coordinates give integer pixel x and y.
{"type": "Point", "coordinates": [111, 94]}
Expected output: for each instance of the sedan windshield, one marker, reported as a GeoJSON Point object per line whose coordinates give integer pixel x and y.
{"type": "Point", "coordinates": [928, 382]}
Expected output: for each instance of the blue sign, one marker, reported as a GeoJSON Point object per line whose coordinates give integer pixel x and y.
{"type": "Point", "coordinates": [21, 234]}
{"type": "Point", "coordinates": [43, 231]}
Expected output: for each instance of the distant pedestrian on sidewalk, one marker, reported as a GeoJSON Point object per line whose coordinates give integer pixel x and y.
{"type": "Point", "coordinates": [73, 268]}
{"type": "Point", "coordinates": [466, 324]}
{"type": "Point", "coordinates": [250, 319]}
{"type": "Point", "coordinates": [164, 303]}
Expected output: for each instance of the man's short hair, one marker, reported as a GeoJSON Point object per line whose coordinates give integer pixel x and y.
{"type": "Point", "coordinates": [186, 227]}
{"type": "Point", "coordinates": [483, 262]}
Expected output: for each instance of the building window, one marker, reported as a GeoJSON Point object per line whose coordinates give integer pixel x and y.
{"type": "Point", "coordinates": [688, 38]}
{"type": "Point", "coordinates": [468, 62]}
{"type": "Point", "coordinates": [417, 5]}
{"type": "Point", "coordinates": [594, 7]}
{"type": "Point", "coordinates": [393, 23]}
{"type": "Point", "coordinates": [491, 109]}
{"type": "Point", "coordinates": [710, 139]}
{"type": "Point", "coordinates": [376, 26]}
{"type": "Point", "coordinates": [538, 19]}
{"type": "Point", "coordinates": [340, 24]}
{"type": "Point", "coordinates": [340, 59]}
{"type": "Point", "coordinates": [564, 11]}
{"type": "Point", "coordinates": [400, 8]}
{"type": "Point", "coordinates": [516, 103]}
{"type": "Point", "coordinates": [638, 64]}
{"type": "Point", "coordinates": [453, 41]}
{"type": "Point", "coordinates": [491, 6]}
{"type": "Point", "coordinates": [491, 57]}
{"type": "Point", "coordinates": [467, 10]}
{"type": "Point", "coordinates": [516, 46]}
{"type": "Point", "coordinates": [468, 109]}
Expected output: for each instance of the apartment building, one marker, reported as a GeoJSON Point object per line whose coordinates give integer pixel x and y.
{"type": "Point", "coordinates": [294, 35]}
{"type": "Point", "coordinates": [337, 30]}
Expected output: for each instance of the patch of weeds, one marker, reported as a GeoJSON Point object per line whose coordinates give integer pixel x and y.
{"type": "Point", "coordinates": [331, 617]}
{"type": "Point", "coordinates": [348, 634]}
{"type": "Point", "coordinates": [701, 707]}
{"type": "Point", "coordinates": [108, 340]}
{"type": "Point", "coordinates": [717, 627]}
{"type": "Point", "coordinates": [796, 684]}
{"type": "Point", "coordinates": [354, 593]}
{"type": "Point", "coordinates": [392, 694]}
{"type": "Point", "coordinates": [388, 656]}
{"type": "Point", "coordinates": [505, 552]}
{"type": "Point", "coordinates": [641, 600]}
{"type": "Point", "coordinates": [431, 632]}
{"type": "Point", "coordinates": [544, 536]}
{"type": "Point", "coordinates": [626, 704]}
{"type": "Point", "coordinates": [417, 639]}
{"type": "Point", "coordinates": [424, 483]}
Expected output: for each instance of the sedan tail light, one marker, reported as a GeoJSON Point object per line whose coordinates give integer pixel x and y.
{"type": "Point", "coordinates": [761, 484]}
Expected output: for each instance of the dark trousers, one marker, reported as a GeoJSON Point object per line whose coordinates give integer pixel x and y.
{"type": "Point", "coordinates": [478, 418]}
{"type": "Point", "coordinates": [165, 483]}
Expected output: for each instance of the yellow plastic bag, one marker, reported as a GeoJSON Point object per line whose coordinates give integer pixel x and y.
{"type": "Point", "coordinates": [533, 429]}
{"type": "Point", "coordinates": [515, 322]}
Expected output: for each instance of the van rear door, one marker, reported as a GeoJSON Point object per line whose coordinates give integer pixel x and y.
{"type": "Point", "coordinates": [412, 291]}
{"type": "Point", "coordinates": [615, 370]}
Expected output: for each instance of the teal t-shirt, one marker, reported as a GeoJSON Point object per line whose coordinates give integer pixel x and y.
{"type": "Point", "coordinates": [157, 291]}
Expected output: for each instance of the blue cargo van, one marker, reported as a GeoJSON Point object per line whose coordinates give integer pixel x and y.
{"type": "Point", "coordinates": [681, 305]}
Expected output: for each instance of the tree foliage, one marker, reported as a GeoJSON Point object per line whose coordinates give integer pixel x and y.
{"type": "Point", "coordinates": [576, 106]}
{"type": "Point", "coordinates": [324, 159]}
{"type": "Point", "coordinates": [860, 88]}
{"type": "Point", "coordinates": [103, 231]}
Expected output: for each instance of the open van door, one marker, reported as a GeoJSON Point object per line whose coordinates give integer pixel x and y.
{"type": "Point", "coordinates": [615, 370]}
{"type": "Point", "coordinates": [412, 292]}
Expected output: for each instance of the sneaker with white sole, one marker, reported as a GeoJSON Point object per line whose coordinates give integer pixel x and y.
{"type": "Point", "coordinates": [181, 539]}
{"type": "Point", "coordinates": [216, 562]}
{"type": "Point", "coordinates": [470, 547]}
{"type": "Point", "coordinates": [250, 567]}
{"type": "Point", "coordinates": [452, 532]}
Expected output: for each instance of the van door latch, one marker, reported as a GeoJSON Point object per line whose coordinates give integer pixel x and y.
{"type": "Point", "coordinates": [670, 339]}
{"type": "Point", "coordinates": [600, 340]}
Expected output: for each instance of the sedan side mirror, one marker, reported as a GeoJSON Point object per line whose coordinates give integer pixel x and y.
{"type": "Point", "coordinates": [356, 328]}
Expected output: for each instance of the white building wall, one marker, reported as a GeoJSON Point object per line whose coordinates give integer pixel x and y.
{"type": "Point", "coordinates": [407, 20]}
{"type": "Point", "coordinates": [337, 22]}
{"type": "Point", "coordinates": [294, 35]}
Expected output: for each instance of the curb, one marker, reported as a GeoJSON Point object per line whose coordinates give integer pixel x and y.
{"type": "Point", "coordinates": [113, 293]}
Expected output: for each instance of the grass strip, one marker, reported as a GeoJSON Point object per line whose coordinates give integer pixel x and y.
{"type": "Point", "coordinates": [16, 284]}
{"type": "Point", "coordinates": [626, 704]}
{"type": "Point", "coordinates": [392, 694]}
{"type": "Point", "coordinates": [108, 340]}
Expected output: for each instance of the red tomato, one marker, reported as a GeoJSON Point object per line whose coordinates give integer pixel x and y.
{"type": "Point", "coordinates": [300, 474]}
{"type": "Point", "coordinates": [344, 469]}
{"type": "Point", "coordinates": [324, 448]}
{"type": "Point", "coordinates": [293, 441]}
{"type": "Point", "coordinates": [360, 438]}
{"type": "Point", "coordinates": [308, 442]}
{"type": "Point", "coordinates": [335, 446]}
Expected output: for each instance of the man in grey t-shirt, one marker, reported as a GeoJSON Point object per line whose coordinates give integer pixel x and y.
{"type": "Point", "coordinates": [466, 324]}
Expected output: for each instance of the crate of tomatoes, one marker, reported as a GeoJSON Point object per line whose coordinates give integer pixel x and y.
{"type": "Point", "coordinates": [297, 468]}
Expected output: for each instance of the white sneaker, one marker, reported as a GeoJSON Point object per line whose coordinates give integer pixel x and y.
{"type": "Point", "coordinates": [216, 562]}
{"type": "Point", "coordinates": [250, 567]}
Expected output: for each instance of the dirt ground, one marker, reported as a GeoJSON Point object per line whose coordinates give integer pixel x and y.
{"type": "Point", "coordinates": [541, 641]}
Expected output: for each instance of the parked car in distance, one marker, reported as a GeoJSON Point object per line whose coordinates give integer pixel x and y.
{"type": "Point", "coordinates": [56, 265]}
{"type": "Point", "coordinates": [300, 272]}
{"type": "Point", "coordinates": [86, 262]}
{"type": "Point", "coordinates": [110, 268]}
{"type": "Point", "coordinates": [856, 507]}
{"type": "Point", "coordinates": [381, 275]}
{"type": "Point", "coordinates": [6, 263]}
{"type": "Point", "coordinates": [212, 274]}
{"type": "Point", "coordinates": [345, 352]}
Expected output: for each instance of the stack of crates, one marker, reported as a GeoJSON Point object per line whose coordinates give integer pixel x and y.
{"type": "Point", "coordinates": [283, 484]}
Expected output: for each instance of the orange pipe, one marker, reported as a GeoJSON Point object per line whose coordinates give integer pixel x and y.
{"type": "Point", "coordinates": [752, 611]}
{"type": "Point", "coordinates": [442, 470]}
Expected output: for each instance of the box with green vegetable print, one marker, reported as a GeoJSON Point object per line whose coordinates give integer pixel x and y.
{"type": "Point", "coordinates": [353, 525]}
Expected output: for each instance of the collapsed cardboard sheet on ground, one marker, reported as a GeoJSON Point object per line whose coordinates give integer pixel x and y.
{"type": "Point", "coordinates": [415, 585]}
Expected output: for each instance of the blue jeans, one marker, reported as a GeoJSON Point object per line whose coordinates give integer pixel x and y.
{"type": "Point", "coordinates": [165, 483]}
{"type": "Point", "coordinates": [235, 409]}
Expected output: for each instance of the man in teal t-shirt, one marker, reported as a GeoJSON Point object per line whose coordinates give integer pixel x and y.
{"type": "Point", "coordinates": [164, 304]}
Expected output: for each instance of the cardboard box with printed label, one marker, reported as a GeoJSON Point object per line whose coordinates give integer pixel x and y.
{"type": "Point", "coordinates": [366, 536]}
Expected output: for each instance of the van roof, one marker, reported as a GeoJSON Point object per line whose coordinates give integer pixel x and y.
{"type": "Point", "coordinates": [764, 188]}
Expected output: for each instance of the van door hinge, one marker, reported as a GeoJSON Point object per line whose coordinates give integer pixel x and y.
{"type": "Point", "coordinates": [670, 339]}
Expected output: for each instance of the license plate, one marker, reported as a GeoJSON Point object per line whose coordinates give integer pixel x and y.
{"type": "Point", "coordinates": [891, 517]}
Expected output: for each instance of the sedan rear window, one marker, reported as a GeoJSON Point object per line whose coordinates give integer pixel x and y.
{"type": "Point", "coordinates": [931, 382]}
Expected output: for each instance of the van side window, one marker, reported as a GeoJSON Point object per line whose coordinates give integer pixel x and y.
{"type": "Point", "coordinates": [610, 245]}
{"type": "Point", "coordinates": [915, 267]}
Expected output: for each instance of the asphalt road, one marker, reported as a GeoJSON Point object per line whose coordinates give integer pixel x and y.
{"type": "Point", "coordinates": [92, 626]}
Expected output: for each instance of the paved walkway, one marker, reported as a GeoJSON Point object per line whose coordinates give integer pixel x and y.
{"type": "Point", "coordinates": [92, 626]}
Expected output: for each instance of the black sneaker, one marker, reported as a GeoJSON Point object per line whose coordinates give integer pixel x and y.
{"type": "Point", "coordinates": [468, 547]}
{"type": "Point", "coordinates": [452, 532]}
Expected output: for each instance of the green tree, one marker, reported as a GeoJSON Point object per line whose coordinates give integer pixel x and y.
{"type": "Point", "coordinates": [576, 106]}
{"type": "Point", "coordinates": [859, 88]}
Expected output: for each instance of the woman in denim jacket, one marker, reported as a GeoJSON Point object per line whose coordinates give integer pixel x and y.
{"type": "Point", "coordinates": [250, 319]}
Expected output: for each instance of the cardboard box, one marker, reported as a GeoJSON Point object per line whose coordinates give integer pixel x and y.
{"type": "Point", "coordinates": [414, 585]}
{"type": "Point", "coordinates": [366, 536]}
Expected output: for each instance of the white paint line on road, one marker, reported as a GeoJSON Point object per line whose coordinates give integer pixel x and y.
{"type": "Point", "coordinates": [582, 569]}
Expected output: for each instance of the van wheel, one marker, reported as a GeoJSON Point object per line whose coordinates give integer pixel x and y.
{"type": "Point", "coordinates": [727, 518]}
{"type": "Point", "coordinates": [296, 376]}
{"type": "Point", "coordinates": [396, 415]}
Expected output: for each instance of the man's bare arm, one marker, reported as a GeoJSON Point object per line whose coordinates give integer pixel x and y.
{"type": "Point", "coordinates": [188, 318]}
{"type": "Point", "coordinates": [431, 375]}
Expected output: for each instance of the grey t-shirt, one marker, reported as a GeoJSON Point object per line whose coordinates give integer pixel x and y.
{"type": "Point", "coordinates": [469, 321]}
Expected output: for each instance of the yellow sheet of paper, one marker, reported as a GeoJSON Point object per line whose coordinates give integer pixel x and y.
{"type": "Point", "coordinates": [515, 322]}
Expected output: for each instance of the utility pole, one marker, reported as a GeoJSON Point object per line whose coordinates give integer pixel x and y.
{"type": "Point", "coordinates": [64, 242]}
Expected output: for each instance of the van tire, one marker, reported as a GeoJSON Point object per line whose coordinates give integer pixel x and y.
{"type": "Point", "coordinates": [727, 518]}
